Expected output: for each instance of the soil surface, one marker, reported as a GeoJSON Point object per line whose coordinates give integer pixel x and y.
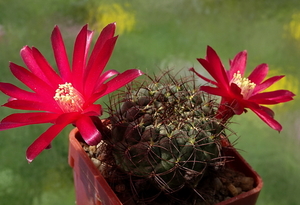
{"type": "Point", "coordinates": [221, 184]}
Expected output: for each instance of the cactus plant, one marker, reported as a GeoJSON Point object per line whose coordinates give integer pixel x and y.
{"type": "Point", "coordinates": [164, 131]}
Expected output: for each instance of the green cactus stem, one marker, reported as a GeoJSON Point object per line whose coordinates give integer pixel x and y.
{"type": "Point", "coordinates": [164, 130]}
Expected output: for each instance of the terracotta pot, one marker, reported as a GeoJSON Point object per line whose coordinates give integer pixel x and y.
{"type": "Point", "coordinates": [92, 189]}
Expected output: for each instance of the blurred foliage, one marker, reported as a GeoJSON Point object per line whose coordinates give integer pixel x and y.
{"type": "Point", "coordinates": [156, 35]}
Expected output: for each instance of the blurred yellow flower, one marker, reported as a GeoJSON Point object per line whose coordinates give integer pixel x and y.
{"type": "Point", "coordinates": [104, 14]}
{"type": "Point", "coordinates": [289, 82]}
{"type": "Point", "coordinates": [293, 27]}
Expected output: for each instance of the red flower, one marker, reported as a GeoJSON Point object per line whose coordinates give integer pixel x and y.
{"type": "Point", "coordinates": [238, 92]}
{"type": "Point", "coordinates": [67, 97]}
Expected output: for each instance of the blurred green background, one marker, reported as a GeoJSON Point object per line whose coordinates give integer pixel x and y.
{"type": "Point", "coordinates": [157, 35]}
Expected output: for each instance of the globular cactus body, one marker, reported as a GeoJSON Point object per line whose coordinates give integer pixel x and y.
{"type": "Point", "coordinates": [165, 132]}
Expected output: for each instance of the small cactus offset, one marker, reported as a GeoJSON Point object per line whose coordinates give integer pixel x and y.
{"type": "Point", "coordinates": [164, 130]}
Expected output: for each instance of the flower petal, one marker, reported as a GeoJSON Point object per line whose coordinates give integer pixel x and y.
{"type": "Point", "coordinates": [98, 66]}
{"type": "Point", "coordinates": [236, 91]}
{"type": "Point", "coordinates": [259, 73]}
{"type": "Point", "coordinates": [18, 93]}
{"type": "Point", "coordinates": [277, 96]}
{"type": "Point", "coordinates": [105, 76]}
{"type": "Point", "coordinates": [53, 78]}
{"type": "Point", "coordinates": [88, 130]}
{"type": "Point", "coordinates": [23, 119]}
{"type": "Point", "coordinates": [121, 80]}
{"type": "Point", "coordinates": [33, 105]}
{"type": "Point", "coordinates": [10, 125]}
{"type": "Point", "coordinates": [69, 118]}
{"type": "Point", "coordinates": [29, 60]}
{"type": "Point", "coordinates": [79, 58]}
{"type": "Point", "coordinates": [269, 111]}
{"type": "Point", "coordinates": [201, 76]}
{"type": "Point", "coordinates": [107, 33]}
{"type": "Point", "coordinates": [267, 83]}
{"type": "Point", "coordinates": [98, 94]}
{"type": "Point", "coordinates": [215, 68]}
{"type": "Point", "coordinates": [60, 54]}
{"type": "Point", "coordinates": [214, 91]}
{"type": "Point", "coordinates": [43, 141]}
{"type": "Point", "coordinates": [265, 116]}
{"type": "Point", "coordinates": [89, 39]}
{"type": "Point", "coordinates": [238, 64]}
{"type": "Point", "coordinates": [33, 82]}
{"type": "Point", "coordinates": [31, 118]}
{"type": "Point", "coordinates": [93, 110]}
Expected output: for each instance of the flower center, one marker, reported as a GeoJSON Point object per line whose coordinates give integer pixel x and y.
{"type": "Point", "coordinates": [245, 84]}
{"type": "Point", "coordinates": [68, 98]}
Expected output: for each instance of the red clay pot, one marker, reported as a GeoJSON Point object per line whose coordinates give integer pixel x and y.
{"type": "Point", "coordinates": [92, 189]}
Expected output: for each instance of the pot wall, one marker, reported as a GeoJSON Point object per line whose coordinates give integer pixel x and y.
{"type": "Point", "coordinates": [92, 189]}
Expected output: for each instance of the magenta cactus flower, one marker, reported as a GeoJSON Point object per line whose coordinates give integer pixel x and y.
{"type": "Point", "coordinates": [67, 97]}
{"type": "Point", "coordinates": [238, 92]}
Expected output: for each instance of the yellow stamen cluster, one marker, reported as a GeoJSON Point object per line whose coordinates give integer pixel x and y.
{"type": "Point", "coordinates": [245, 84]}
{"type": "Point", "coordinates": [68, 98]}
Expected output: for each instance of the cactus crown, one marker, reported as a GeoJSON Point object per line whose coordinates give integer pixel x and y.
{"type": "Point", "coordinates": [164, 130]}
